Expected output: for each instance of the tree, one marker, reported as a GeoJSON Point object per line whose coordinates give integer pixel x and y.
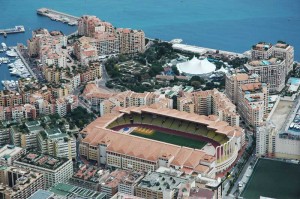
{"type": "Point", "coordinates": [196, 84]}
{"type": "Point", "coordinates": [197, 78]}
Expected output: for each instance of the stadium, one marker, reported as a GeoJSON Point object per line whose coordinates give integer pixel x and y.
{"type": "Point", "coordinates": [175, 142]}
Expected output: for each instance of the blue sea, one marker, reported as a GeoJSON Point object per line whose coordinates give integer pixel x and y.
{"type": "Point", "coordinates": [232, 25]}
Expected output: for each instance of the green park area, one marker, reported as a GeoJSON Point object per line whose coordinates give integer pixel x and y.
{"type": "Point", "coordinates": [273, 179]}
{"type": "Point", "coordinates": [172, 139]}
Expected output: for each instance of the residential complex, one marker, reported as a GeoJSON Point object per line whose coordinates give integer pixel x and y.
{"type": "Point", "coordinates": [25, 135]}
{"type": "Point", "coordinates": [160, 186]}
{"type": "Point", "coordinates": [266, 139]}
{"type": "Point", "coordinates": [108, 101]}
{"type": "Point", "coordinates": [10, 153]}
{"type": "Point", "coordinates": [110, 185]}
{"type": "Point", "coordinates": [117, 150]}
{"type": "Point", "coordinates": [234, 80]}
{"type": "Point", "coordinates": [66, 191]}
{"type": "Point", "coordinates": [17, 183]}
{"type": "Point", "coordinates": [54, 169]}
{"type": "Point", "coordinates": [107, 39]}
{"type": "Point", "coordinates": [253, 103]}
{"type": "Point", "coordinates": [90, 177]}
{"type": "Point", "coordinates": [129, 182]}
{"type": "Point", "coordinates": [30, 103]}
{"type": "Point", "coordinates": [272, 63]}
{"type": "Point", "coordinates": [57, 143]}
{"type": "Point", "coordinates": [211, 102]}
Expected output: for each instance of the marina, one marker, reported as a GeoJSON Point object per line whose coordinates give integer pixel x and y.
{"type": "Point", "coordinates": [10, 84]}
{"type": "Point", "coordinates": [58, 16]}
{"type": "Point", "coordinates": [16, 29]}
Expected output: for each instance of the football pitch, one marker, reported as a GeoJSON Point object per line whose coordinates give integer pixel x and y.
{"type": "Point", "coordinates": [172, 139]}
{"type": "Point", "coordinates": [273, 179]}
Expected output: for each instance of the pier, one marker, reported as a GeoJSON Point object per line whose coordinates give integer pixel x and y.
{"type": "Point", "coordinates": [58, 16]}
{"type": "Point", "coordinates": [16, 29]}
{"type": "Point", "coordinates": [201, 50]}
{"type": "Point", "coordinates": [25, 63]}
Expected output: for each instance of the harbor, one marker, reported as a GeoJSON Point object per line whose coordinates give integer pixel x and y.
{"type": "Point", "coordinates": [58, 16]}
{"type": "Point", "coordinates": [12, 62]}
{"type": "Point", "coordinates": [16, 29]}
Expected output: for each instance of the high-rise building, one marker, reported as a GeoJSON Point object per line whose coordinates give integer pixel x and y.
{"type": "Point", "coordinates": [272, 63]}
{"type": "Point", "coordinates": [234, 80]}
{"type": "Point", "coordinates": [253, 103]}
{"type": "Point", "coordinates": [54, 169]}
{"type": "Point", "coordinates": [266, 139]}
{"type": "Point", "coordinates": [55, 142]}
{"type": "Point", "coordinates": [211, 102]}
{"type": "Point", "coordinates": [19, 183]}
{"type": "Point", "coordinates": [110, 40]}
{"type": "Point", "coordinates": [159, 185]}
{"type": "Point", "coordinates": [10, 153]}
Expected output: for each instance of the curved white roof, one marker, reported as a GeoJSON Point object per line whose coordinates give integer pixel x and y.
{"type": "Point", "coordinates": [196, 66]}
{"type": "Point", "coordinates": [222, 70]}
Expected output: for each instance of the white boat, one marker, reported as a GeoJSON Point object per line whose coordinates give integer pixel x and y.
{"type": "Point", "coordinates": [176, 41]}
{"type": "Point", "coordinates": [4, 47]}
{"type": "Point", "coordinates": [11, 53]}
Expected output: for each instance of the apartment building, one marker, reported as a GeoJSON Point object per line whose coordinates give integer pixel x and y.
{"type": "Point", "coordinates": [284, 51]}
{"type": "Point", "coordinates": [253, 103]}
{"type": "Point", "coordinates": [110, 40]}
{"type": "Point", "coordinates": [272, 63]}
{"type": "Point", "coordinates": [159, 185]}
{"type": "Point", "coordinates": [271, 71]}
{"type": "Point", "coordinates": [90, 177]}
{"type": "Point", "coordinates": [91, 72]}
{"type": "Point", "coordinates": [129, 182]}
{"type": "Point", "coordinates": [52, 74]}
{"type": "Point", "coordinates": [33, 44]}
{"type": "Point", "coordinates": [17, 183]}
{"type": "Point", "coordinates": [53, 58]}
{"type": "Point", "coordinates": [234, 80]}
{"type": "Point", "coordinates": [10, 153]}
{"type": "Point", "coordinates": [54, 169]}
{"type": "Point", "coordinates": [266, 139]}
{"type": "Point", "coordinates": [56, 143]}
{"type": "Point", "coordinates": [10, 98]}
{"type": "Point", "coordinates": [110, 185]}
{"type": "Point", "coordinates": [4, 134]}
{"type": "Point", "coordinates": [25, 135]}
{"type": "Point", "coordinates": [211, 102]}
{"type": "Point", "coordinates": [66, 104]}
{"type": "Point", "coordinates": [84, 51]}
{"type": "Point", "coordinates": [131, 41]}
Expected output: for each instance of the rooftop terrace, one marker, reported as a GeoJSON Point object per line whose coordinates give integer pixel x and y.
{"type": "Point", "coordinates": [161, 182]}
{"type": "Point", "coordinates": [71, 191]}
{"type": "Point", "coordinates": [41, 160]}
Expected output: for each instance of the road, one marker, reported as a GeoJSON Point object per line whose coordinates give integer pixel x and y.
{"type": "Point", "coordinates": [104, 77]}
{"type": "Point", "coordinates": [235, 171]}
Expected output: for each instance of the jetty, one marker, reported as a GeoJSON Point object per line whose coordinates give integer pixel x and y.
{"type": "Point", "coordinates": [16, 29]}
{"type": "Point", "coordinates": [25, 62]}
{"type": "Point", "coordinates": [201, 50]}
{"type": "Point", "coordinates": [58, 16]}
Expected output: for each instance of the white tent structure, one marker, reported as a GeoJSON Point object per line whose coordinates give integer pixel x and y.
{"type": "Point", "coordinates": [222, 70]}
{"type": "Point", "coordinates": [196, 66]}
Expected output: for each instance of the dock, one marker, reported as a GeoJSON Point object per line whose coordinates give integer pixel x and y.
{"type": "Point", "coordinates": [25, 63]}
{"type": "Point", "coordinates": [201, 50]}
{"type": "Point", "coordinates": [58, 16]}
{"type": "Point", "coordinates": [16, 29]}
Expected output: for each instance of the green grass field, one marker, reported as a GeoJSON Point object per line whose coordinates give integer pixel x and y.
{"type": "Point", "coordinates": [173, 139]}
{"type": "Point", "coordinates": [274, 179]}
